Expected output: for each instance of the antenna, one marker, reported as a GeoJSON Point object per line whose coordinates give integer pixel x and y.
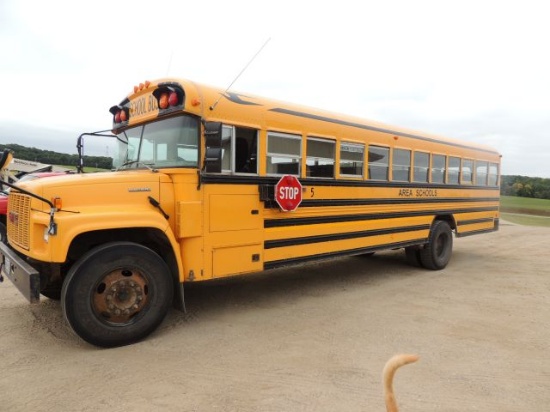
{"type": "Point", "coordinates": [239, 75]}
{"type": "Point", "coordinates": [169, 63]}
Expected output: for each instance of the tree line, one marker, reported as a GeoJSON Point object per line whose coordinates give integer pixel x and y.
{"type": "Point", "coordinates": [54, 158]}
{"type": "Point", "coordinates": [523, 186]}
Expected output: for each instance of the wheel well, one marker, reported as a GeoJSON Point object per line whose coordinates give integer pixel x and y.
{"type": "Point", "coordinates": [154, 239]}
{"type": "Point", "coordinates": [446, 218]}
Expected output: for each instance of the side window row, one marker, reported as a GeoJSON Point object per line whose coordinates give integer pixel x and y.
{"type": "Point", "coordinates": [284, 156]}
{"type": "Point", "coordinates": [442, 169]}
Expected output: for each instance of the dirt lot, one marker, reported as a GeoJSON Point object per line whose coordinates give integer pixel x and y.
{"type": "Point", "coordinates": [311, 338]}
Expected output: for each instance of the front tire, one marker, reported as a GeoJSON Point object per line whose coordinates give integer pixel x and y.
{"type": "Point", "coordinates": [436, 254]}
{"type": "Point", "coordinates": [116, 294]}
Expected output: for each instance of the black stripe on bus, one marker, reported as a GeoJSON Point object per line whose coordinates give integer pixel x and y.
{"type": "Point", "coordinates": [228, 179]}
{"type": "Point", "coordinates": [392, 201]}
{"type": "Point", "coordinates": [474, 221]}
{"type": "Point", "coordinates": [330, 255]}
{"type": "Point", "coordinates": [271, 244]}
{"type": "Point", "coordinates": [477, 232]}
{"type": "Point", "coordinates": [376, 129]}
{"type": "Point", "coordinates": [300, 221]}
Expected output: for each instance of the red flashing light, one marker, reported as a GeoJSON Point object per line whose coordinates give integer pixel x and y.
{"type": "Point", "coordinates": [168, 99]}
{"type": "Point", "coordinates": [120, 115]}
{"type": "Point", "coordinates": [173, 99]}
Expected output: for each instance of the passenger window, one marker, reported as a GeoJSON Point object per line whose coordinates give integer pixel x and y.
{"type": "Point", "coordinates": [453, 172]}
{"type": "Point", "coordinates": [481, 173]}
{"type": "Point", "coordinates": [438, 168]}
{"type": "Point", "coordinates": [246, 150]}
{"type": "Point", "coordinates": [379, 160]}
{"type": "Point", "coordinates": [493, 174]}
{"type": "Point", "coordinates": [401, 165]}
{"type": "Point", "coordinates": [351, 159]}
{"type": "Point", "coordinates": [320, 157]}
{"type": "Point", "coordinates": [421, 167]}
{"type": "Point", "coordinates": [239, 149]}
{"type": "Point", "coordinates": [284, 153]}
{"type": "Point", "coordinates": [467, 171]}
{"type": "Point", "coordinates": [228, 133]}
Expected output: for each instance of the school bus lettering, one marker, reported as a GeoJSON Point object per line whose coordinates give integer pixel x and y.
{"type": "Point", "coordinates": [152, 103]}
{"type": "Point", "coordinates": [417, 193]}
{"type": "Point", "coordinates": [143, 106]}
{"type": "Point", "coordinates": [426, 192]}
{"type": "Point", "coordinates": [201, 194]}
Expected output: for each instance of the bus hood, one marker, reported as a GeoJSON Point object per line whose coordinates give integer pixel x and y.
{"type": "Point", "coordinates": [107, 189]}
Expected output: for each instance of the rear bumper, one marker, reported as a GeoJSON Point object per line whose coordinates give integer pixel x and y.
{"type": "Point", "coordinates": [22, 275]}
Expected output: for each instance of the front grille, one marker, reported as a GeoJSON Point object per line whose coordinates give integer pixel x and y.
{"type": "Point", "coordinates": [18, 219]}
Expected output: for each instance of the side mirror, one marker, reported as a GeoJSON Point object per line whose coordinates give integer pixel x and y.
{"type": "Point", "coordinates": [5, 160]}
{"type": "Point", "coordinates": [213, 143]}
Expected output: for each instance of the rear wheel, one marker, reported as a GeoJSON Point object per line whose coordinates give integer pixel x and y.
{"type": "Point", "coordinates": [117, 294]}
{"type": "Point", "coordinates": [436, 254]}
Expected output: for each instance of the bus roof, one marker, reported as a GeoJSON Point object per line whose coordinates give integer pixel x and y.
{"type": "Point", "coordinates": [214, 103]}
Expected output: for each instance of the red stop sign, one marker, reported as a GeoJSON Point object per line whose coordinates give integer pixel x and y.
{"type": "Point", "coordinates": [288, 193]}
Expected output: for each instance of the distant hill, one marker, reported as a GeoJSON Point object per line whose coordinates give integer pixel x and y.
{"type": "Point", "coordinates": [55, 158]}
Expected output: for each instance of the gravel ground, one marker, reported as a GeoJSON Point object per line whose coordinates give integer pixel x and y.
{"type": "Point", "coordinates": [311, 338]}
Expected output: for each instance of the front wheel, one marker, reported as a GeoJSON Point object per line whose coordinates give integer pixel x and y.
{"type": "Point", "coordinates": [116, 294]}
{"type": "Point", "coordinates": [436, 254]}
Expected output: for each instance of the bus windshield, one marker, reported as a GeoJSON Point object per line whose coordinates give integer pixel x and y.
{"type": "Point", "coordinates": [166, 143]}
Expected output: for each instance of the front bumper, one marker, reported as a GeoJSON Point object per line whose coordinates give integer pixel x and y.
{"type": "Point", "coordinates": [23, 275]}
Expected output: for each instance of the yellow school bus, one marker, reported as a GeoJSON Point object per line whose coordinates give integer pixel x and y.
{"type": "Point", "coordinates": [211, 183]}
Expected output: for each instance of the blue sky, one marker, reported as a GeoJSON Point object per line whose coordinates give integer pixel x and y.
{"type": "Point", "coordinates": [473, 70]}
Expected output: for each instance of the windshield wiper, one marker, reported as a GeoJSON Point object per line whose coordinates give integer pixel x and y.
{"type": "Point", "coordinates": [138, 163]}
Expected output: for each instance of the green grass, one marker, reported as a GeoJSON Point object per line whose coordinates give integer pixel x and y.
{"type": "Point", "coordinates": [530, 205]}
{"type": "Point", "coordinates": [525, 211]}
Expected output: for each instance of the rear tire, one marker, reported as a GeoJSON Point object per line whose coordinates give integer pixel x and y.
{"type": "Point", "coordinates": [437, 253]}
{"type": "Point", "coordinates": [117, 294]}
